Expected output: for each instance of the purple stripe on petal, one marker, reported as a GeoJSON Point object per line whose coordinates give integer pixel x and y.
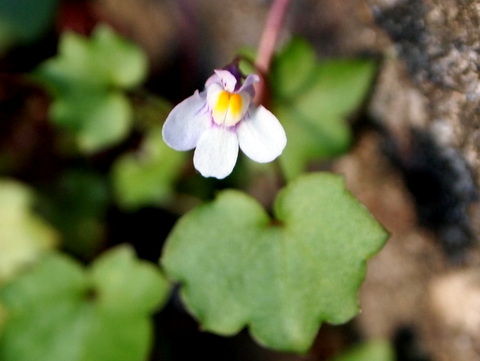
{"type": "Point", "coordinates": [227, 80]}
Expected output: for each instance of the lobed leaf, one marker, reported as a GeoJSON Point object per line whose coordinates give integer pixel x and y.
{"type": "Point", "coordinates": [282, 278]}
{"type": "Point", "coordinates": [86, 79]}
{"type": "Point", "coordinates": [312, 100]}
{"type": "Point", "coordinates": [60, 312]}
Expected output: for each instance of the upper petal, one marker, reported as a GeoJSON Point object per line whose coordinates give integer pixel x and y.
{"type": "Point", "coordinates": [261, 136]}
{"type": "Point", "coordinates": [216, 152]}
{"type": "Point", "coordinates": [227, 80]}
{"type": "Point", "coordinates": [213, 79]}
{"type": "Point", "coordinates": [186, 122]}
{"type": "Point", "coordinates": [247, 85]}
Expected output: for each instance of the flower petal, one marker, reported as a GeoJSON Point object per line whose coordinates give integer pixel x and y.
{"type": "Point", "coordinates": [186, 122]}
{"type": "Point", "coordinates": [247, 85]}
{"type": "Point", "coordinates": [261, 137]}
{"type": "Point", "coordinates": [213, 79]}
{"type": "Point", "coordinates": [227, 80]}
{"type": "Point", "coordinates": [216, 152]}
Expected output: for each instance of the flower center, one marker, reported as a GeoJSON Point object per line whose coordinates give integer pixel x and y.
{"type": "Point", "coordinates": [229, 108]}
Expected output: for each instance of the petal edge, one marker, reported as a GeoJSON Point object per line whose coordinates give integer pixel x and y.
{"type": "Point", "coordinates": [186, 122]}
{"type": "Point", "coordinates": [261, 137]}
{"type": "Point", "coordinates": [216, 152]}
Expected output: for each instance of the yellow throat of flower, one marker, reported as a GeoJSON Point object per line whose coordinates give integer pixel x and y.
{"type": "Point", "coordinates": [229, 108]}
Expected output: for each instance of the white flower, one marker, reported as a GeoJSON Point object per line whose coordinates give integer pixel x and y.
{"type": "Point", "coordinates": [221, 118]}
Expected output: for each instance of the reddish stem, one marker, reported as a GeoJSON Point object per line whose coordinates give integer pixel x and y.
{"type": "Point", "coordinates": [266, 48]}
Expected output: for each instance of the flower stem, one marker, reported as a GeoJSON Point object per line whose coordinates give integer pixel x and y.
{"type": "Point", "coordinates": [267, 44]}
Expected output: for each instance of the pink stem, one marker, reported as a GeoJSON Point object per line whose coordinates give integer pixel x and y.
{"type": "Point", "coordinates": [268, 42]}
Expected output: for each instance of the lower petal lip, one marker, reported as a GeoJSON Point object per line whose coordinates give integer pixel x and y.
{"type": "Point", "coordinates": [261, 136]}
{"type": "Point", "coordinates": [216, 152]}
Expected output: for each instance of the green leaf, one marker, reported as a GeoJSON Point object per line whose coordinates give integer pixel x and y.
{"type": "Point", "coordinates": [59, 312]}
{"type": "Point", "coordinates": [86, 79]}
{"type": "Point", "coordinates": [312, 100]}
{"type": "Point", "coordinates": [23, 235]}
{"type": "Point", "coordinates": [99, 120]}
{"type": "Point", "coordinates": [103, 60]}
{"type": "Point", "coordinates": [108, 122]}
{"type": "Point", "coordinates": [138, 290]}
{"type": "Point", "coordinates": [281, 277]}
{"type": "Point", "coordinates": [377, 350]}
{"type": "Point", "coordinates": [246, 60]}
{"type": "Point", "coordinates": [292, 69]}
{"type": "Point", "coordinates": [122, 61]}
{"type": "Point", "coordinates": [146, 177]}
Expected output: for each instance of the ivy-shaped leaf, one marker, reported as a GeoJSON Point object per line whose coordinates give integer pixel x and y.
{"type": "Point", "coordinates": [87, 79]}
{"type": "Point", "coordinates": [23, 235]}
{"type": "Point", "coordinates": [312, 100]}
{"type": "Point", "coordinates": [61, 312]}
{"type": "Point", "coordinates": [282, 277]}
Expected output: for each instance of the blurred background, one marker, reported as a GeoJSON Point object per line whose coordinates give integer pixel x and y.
{"type": "Point", "coordinates": [413, 161]}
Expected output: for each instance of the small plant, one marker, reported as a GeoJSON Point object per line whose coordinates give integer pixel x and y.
{"type": "Point", "coordinates": [280, 266]}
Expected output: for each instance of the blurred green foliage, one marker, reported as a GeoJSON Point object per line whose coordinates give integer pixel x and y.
{"type": "Point", "coordinates": [313, 99]}
{"type": "Point", "coordinates": [377, 350]}
{"type": "Point", "coordinates": [23, 235]}
{"type": "Point", "coordinates": [144, 177]}
{"type": "Point", "coordinates": [239, 267]}
{"type": "Point", "coordinates": [60, 311]}
{"type": "Point", "coordinates": [88, 79]}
